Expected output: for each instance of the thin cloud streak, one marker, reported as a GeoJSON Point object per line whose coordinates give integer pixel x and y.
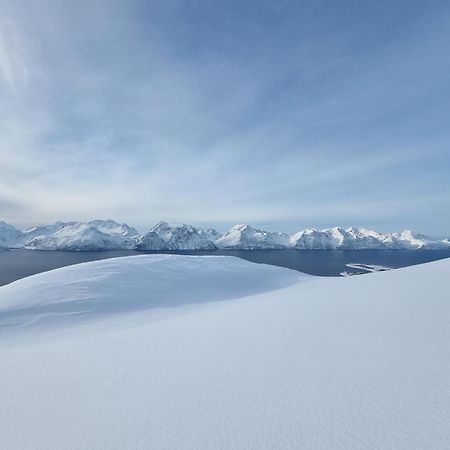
{"type": "Point", "coordinates": [111, 118]}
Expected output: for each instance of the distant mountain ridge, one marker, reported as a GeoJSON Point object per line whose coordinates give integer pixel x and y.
{"type": "Point", "coordinates": [111, 235]}
{"type": "Point", "coordinates": [245, 237]}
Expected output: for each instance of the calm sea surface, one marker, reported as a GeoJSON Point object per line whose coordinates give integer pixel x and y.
{"type": "Point", "coordinates": [16, 264]}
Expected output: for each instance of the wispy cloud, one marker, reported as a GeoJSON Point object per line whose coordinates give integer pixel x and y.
{"type": "Point", "coordinates": [144, 110]}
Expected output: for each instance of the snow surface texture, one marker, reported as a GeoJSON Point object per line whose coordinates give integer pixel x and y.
{"type": "Point", "coordinates": [178, 352]}
{"type": "Point", "coordinates": [95, 289]}
{"type": "Point", "coordinates": [110, 235]}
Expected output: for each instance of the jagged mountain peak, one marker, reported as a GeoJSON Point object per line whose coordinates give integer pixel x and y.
{"type": "Point", "coordinates": [110, 226]}
{"type": "Point", "coordinates": [109, 234]}
{"type": "Point", "coordinates": [151, 241]}
{"type": "Point", "coordinates": [245, 237]}
{"type": "Point", "coordinates": [181, 236]}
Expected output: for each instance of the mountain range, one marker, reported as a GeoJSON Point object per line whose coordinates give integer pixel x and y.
{"type": "Point", "coordinates": [111, 235]}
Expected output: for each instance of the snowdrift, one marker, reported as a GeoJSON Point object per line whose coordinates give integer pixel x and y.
{"type": "Point", "coordinates": [98, 289]}
{"type": "Point", "coordinates": [177, 352]}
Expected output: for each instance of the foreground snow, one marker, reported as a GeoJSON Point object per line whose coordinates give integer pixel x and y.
{"type": "Point", "coordinates": [177, 352]}
{"type": "Point", "coordinates": [97, 289]}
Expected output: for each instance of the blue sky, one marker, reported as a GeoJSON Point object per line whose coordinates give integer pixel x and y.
{"type": "Point", "coordinates": [281, 114]}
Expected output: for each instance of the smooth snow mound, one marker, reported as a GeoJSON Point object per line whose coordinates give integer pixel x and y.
{"type": "Point", "coordinates": [119, 285]}
{"type": "Point", "coordinates": [324, 363]}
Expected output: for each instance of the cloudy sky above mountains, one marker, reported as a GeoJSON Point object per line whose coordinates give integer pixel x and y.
{"type": "Point", "coordinates": [281, 114]}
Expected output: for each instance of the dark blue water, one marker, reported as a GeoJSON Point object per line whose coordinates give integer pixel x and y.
{"type": "Point", "coordinates": [16, 264]}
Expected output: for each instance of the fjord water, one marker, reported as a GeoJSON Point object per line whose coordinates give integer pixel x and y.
{"type": "Point", "coordinates": [16, 264]}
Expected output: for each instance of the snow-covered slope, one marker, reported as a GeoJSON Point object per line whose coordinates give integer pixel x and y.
{"type": "Point", "coordinates": [133, 283]}
{"type": "Point", "coordinates": [409, 240]}
{"type": "Point", "coordinates": [123, 233]}
{"type": "Point", "coordinates": [182, 237]}
{"type": "Point", "coordinates": [245, 237]}
{"type": "Point", "coordinates": [151, 241]}
{"type": "Point", "coordinates": [209, 233]}
{"type": "Point", "coordinates": [337, 238]}
{"type": "Point", "coordinates": [10, 237]}
{"type": "Point", "coordinates": [362, 239]}
{"type": "Point", "coordinates": [95, 235]}
{"type": "Point", "coordinates": [114, 228]}
{"type": "Point", "coordinates": [181, 352]}
{"type": "Point", "coordinates": [45, 230]}
{"type": "Point", "coordinates": [74, 236]}
{"type": "Point", "coordinates": [311, 239]}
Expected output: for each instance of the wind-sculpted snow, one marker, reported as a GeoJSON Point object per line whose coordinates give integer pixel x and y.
{"type": "Point", "coordinates": [178, 352]}
{"type": "Point", "coordinates": [99, 288]}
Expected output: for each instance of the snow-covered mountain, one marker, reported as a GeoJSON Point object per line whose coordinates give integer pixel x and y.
{"type": "Point", "coordinates": [10, 236]}
{"type": "Point", "coordinates": [124, 235]}
{"type": "Point", "coordinates": [113, 228]}
{"type": "Point", "coordinates": [209, 233]}
{"type": "Point", "coordinates": [74, 236]}
{"type": "Point", "coordinates": [45, 230]}
{"type": "Point", "coordinates": [95, 235]}
{"type": "Point", "coordinates": [409, 240]}
{"type": "Point", "coordinates": [337, 238]}
{"type": "Point", "coordinates": [244, 237]}
{"type": "Point", "coordinates": [109, 235]}
{"type": "Point", "coordinates": [362, 239]}
{"type": "Point", "coordinates": [150, 241]}
{"type": "Point", "coordinates": [182, 237]}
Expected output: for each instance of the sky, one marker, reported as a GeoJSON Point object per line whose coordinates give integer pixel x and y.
{"type": "Point", "coordinates": [284, 115]}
